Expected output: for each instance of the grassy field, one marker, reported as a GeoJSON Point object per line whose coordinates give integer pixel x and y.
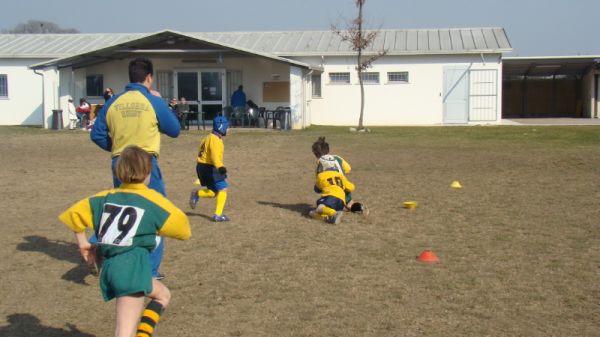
{"type": "Point", "coordinates": [519, 244]}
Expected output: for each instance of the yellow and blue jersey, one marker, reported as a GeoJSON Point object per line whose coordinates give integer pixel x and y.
{"type": "Point", "coordinates": [211, 150]}
{"type": "Point", "coordinates": [127, 217]}
{"type": "Point", "coordinates": [134, 117]}
{"type": "Point", "coordinates": [333, 183]}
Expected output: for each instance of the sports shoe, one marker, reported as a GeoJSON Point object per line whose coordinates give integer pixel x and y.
{"type": "Point", "coordinates": [194, 198]}
{"type": "Point", "coordinates": [335, 219]}
{"type": "Point", "coordinates": [220, 218]}
{"type": "Point", "coordinates": [159, 276]}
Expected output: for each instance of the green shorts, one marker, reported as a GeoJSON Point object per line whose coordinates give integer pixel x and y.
{"type": "Point", "coordinates": [125, 274]}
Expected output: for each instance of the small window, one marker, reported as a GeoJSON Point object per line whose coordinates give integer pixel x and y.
{"type": "Point", "coordinates": [316, 85]}
{"type": "Point", "coordinates": [94, 85]}
{"type": "Point", "coordinates": [398, 77]}
{"type": "Point", "coordinates": [370, 77]}
{"type": "Point", "coordinates": [339, 78]}
{"type": "Point", "coordinates": [3, 86]}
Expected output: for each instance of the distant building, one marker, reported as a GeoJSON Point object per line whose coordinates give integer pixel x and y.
{"type": "Point", "coordinates": [427, 77]}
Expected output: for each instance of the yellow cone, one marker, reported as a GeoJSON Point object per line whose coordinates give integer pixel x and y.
{"type": "Point", "coordinates": [456, 184]}
{"type": "Point", "coordinates": [197, 182]}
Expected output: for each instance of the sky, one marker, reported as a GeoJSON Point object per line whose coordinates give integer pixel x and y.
{"type": "Point", "coordinates": [534, 27]}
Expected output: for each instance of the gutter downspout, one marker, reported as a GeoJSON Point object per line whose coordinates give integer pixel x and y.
{"type": "Point", "coordinates": [308, 104]}
{"type": "Point", "coordinates": [43, 99]}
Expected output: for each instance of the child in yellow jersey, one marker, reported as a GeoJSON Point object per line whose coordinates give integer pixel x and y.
{"type": "Point", "coordinates": [326, 161]}
{"type": "Point", "coordinates": [126, 221]}
{"type": "Point", "coordinates": [210, 169]}
{"type": "Point", "coordinates": [333, 186]}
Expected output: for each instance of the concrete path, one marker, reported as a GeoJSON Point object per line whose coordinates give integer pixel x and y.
{"type": "Point", "coordinates": [551, 121]}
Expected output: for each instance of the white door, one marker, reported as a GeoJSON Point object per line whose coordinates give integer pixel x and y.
{"type": "Point", "coordinates": [456, 95]}
{"type": "Point", "coordinates": [483, 95]}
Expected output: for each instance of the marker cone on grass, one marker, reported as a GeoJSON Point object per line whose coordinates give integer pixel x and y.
{"type": "Point", "coordinates": [456, 184]}
{"type": "Point", "coordinates": [427, 256]}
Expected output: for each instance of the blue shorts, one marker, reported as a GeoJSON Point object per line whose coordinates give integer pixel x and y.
{"type": "Point", "coordinates": [331, 202]}
{"type": "Point", "coordinates": [211, 178]}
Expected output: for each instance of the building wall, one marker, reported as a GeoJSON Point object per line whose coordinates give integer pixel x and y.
{"type": "Point", "coordinates": [24, 103]}
{"type": "Point", "coordinates": [255, 71]}
{"type": "Point", "coordinates": [418, 102]}
{"type": "Point", "coordinates": [588, 95]}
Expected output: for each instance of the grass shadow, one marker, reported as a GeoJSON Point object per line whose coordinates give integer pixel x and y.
{"type": "Point", "coordinates": [207, 217]}
{"type": "Point", "coordinates": [60, 250]}
{"type": "Point", "coordinates": [26, 325]}
{"type": "Point", "coordinates": [301, 208]}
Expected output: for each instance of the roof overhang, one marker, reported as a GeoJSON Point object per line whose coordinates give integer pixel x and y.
{"type": "Point", "coordinates": [549, 65]}
{"type": "Point", "coordinates": [165, 44]}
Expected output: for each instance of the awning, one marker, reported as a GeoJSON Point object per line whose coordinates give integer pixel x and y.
{"type": "Point", "coordinates": [165, 43]}
{"type": "Point", "coordinates": [549, 66]}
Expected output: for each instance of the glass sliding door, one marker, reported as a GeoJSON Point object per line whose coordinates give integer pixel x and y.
{"type": "Point", "coordinates": [212, 92]}
{"type": "Point", "coordinates": [187, 86]}
{"type": "Point", "coordinates": [204, 89]}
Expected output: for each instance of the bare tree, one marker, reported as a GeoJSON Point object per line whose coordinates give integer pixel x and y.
{"type": "Point", "coordinates": [39, 27]}
{"type": "Point", "coordinates": [360, 40]}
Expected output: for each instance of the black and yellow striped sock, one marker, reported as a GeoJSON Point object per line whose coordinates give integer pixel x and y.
{"type": "Point", "coordinates": [149, 319]}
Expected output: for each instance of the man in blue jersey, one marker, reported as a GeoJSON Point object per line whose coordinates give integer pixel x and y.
{"type": "Point", "coordinates": [137, 116]}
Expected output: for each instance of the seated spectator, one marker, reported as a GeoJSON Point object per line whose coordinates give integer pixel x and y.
{"type": "Point", "coordinates": [108, 93]}
{"type": "Point", "coordinates": [182, 109]}
{"type": "Point", "coordinates": [83, 112]}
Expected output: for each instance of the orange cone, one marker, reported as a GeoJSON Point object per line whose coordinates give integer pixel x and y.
{"type": "Point", "coordinates": [427, 256]}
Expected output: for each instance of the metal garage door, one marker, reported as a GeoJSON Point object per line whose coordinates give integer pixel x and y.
{"type": "Point", "coordinates": [483, 95]}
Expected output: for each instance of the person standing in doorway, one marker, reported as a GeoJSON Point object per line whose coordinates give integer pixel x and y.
{"type": "Point", "coordinates": [137, 116]}
{"type": "Point", "coordinates": [238, 102]}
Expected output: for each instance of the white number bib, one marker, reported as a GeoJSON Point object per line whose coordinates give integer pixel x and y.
{"type": "Point", "coordinates": [119, 224]}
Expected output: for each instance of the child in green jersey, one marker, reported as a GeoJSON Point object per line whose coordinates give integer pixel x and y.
{"type": "Point", "coordinates": [127, 221]}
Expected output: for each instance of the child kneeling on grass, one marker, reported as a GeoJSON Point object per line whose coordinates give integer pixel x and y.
{"type": "Point", "coordinates": [126, 221]}
{"type": "Point", "coordinates": [333, 187]}
{"type": "Point", "coordinates": [326, 161]}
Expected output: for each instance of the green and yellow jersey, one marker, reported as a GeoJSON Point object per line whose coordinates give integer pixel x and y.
{"type": "Point", "coordinates": [329, 162]}
{"type": "Point", "coordinates": [127, 217]}
{"type": "Point", "coordinates": [211, 150]}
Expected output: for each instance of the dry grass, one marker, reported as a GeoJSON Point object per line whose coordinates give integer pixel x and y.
{"type": "Point", "coordinates": [519, 245]}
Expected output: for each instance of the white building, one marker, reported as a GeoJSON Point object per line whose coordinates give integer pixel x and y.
{"type": "Point", "coordinates": [427, 77]}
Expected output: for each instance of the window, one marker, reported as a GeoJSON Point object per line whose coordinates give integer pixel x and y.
{"type": "Point", "coordinates": [398, 77]}
{"type": "Point", "coordinates": [94, 85]}
{"type": "Point", "coordinates": [316, 85]}
{"type": "Point", "coordinates": [3, 86]}
{"type": "Point", "coordinates": [370, 77]}
{"type": "Point", "coordinates": [339, 78]}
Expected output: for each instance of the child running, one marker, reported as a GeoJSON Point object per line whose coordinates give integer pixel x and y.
{"type": "Point", "coordinates": [210, 169]}
{"type": "Point", "coordinates": [126, 221]}
{"type": "Point", "coordinates": [326, 161]}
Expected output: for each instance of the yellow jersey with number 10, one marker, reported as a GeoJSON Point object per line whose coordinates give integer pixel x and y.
{"type": "Point", "coordinates": [334, 183]}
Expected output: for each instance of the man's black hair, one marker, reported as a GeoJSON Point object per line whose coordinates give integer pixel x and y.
{"type": "Point", "coordinates": [139, 68]}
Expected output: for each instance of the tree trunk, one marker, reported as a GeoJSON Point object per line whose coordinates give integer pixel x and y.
{"type": "Point", "coordinates": [359, 66]}
{"type": "Point", "coordinates": [362, 96]}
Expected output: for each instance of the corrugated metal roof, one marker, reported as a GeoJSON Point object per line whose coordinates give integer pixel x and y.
{"type": "Point", "coordinates": [396, 42]}
{"type": "Point", "coordinates": [282, 43]}
{"type": "Point", "coordinates": [57, 45]}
